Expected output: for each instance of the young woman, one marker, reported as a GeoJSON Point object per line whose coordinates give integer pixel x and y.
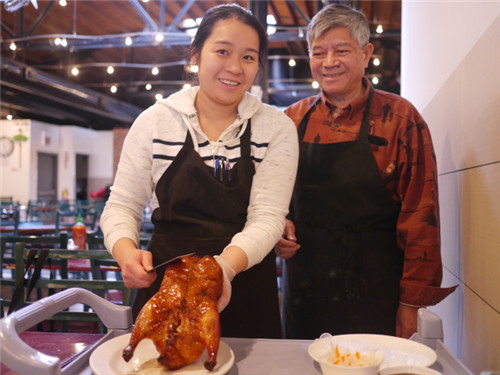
{"type": "Point", "coordinates": [220, 167]}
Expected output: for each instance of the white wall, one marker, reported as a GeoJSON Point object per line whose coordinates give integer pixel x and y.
{"type": "Point", "coordinates": [451, 72]}
{"type": "Point", "coordinates": [19, 171]}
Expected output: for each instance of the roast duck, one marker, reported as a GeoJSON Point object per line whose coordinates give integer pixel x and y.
{"type": "Point", "coordinates": [181, 318]}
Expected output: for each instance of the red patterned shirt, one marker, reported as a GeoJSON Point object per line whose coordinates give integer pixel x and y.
{"type": "Point", "coordinates": [407, 164]}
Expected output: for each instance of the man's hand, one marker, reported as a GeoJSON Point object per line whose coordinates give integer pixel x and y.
{"type": "Point", "coordinates": [406, 321]}
{"type": "Point", "coordinates": [287, 246]}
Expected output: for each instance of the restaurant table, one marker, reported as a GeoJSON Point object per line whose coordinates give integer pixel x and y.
{"type": "Point", "coordinates": [251, 356]}
{"type": "Point", "coordinates": [34, 228]}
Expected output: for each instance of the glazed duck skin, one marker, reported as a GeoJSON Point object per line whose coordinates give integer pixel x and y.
{"type": "Point", "coordinates": [181, 318]}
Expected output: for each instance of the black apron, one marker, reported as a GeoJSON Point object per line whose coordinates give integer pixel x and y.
{"type": "Point", "coordinates": [345, 278]}
{"type": "Point", "coordinates": [200, 213]}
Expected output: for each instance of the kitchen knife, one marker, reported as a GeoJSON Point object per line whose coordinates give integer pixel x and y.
{"type": "Point", "coordinates": [170, 261]}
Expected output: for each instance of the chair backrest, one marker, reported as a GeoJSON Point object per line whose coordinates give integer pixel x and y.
{"type": "Point", "coordinates": [8, 258]}
{"type": "Point", "coordinates": [96, 241]}
{"type": "Point", "coordinates": [65, 219]}
{"type": "Point", "coordinates": [9, 218]}
{"type": "Point", "coordinates": [8, 242]}
{"type": "Point", "coordinates": [98, 284]}
{"type": "Point", "coordinates": [41, 210]}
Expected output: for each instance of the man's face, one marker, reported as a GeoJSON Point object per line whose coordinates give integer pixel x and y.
{"type": "Point", "coordinates": [338, 64]}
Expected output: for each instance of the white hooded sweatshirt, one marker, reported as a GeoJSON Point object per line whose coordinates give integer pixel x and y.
{"type": "Point", "coordinates": [158, 134]}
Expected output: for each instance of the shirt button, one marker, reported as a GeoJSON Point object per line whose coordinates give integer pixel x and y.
{"type": "Point", "coordinates": [336, 124]}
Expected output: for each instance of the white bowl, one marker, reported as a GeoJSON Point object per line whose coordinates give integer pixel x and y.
{"type": "Point", "coordinates": [324, 351]}
{"type": "Point", "coordinates": [408, 370]}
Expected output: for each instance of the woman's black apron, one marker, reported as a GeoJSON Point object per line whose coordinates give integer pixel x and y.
{"type": "Point", "coordinates": [345, 278]}
{"type": "Point", "coordinates": [198, 212]}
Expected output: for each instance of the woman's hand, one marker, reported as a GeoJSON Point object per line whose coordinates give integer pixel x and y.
{"type": "Point", "coordinates": [287, 245]}
{"type": "Point", "coordinates": [228, 276]}
{"type": "Point", "coordinates": [134, 264]}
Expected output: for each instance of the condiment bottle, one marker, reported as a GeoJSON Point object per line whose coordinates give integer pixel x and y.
{"type": "Point", "coordinates": [80, 234]}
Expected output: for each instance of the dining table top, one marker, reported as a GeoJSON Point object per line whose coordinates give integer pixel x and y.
{"type": "Point", "coordinates": [28, 228]}
{"type": "Point", "coordinates": [251, 356]}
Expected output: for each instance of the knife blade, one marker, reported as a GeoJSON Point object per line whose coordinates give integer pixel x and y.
{"type": "Point", "coordinates": [170, 261]}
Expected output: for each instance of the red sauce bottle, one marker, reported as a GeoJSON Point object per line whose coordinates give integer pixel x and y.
{"type": "Point", "coordinates": [80, 234]}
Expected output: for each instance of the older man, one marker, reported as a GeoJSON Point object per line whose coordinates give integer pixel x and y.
{"type": "Point", "coordinates": [362, 247]}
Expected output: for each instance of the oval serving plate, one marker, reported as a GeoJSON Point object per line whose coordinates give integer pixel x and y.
{"type": "Point", "coordinates": [107, 360]}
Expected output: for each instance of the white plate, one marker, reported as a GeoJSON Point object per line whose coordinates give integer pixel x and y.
{"type": "Point", "coordinates": [397, 351]}
{"type": "Point", "coordinates": [107, 360]}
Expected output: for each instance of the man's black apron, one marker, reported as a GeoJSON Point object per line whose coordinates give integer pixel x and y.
{"type": "Point", "coordinates": [345, 278]}
{"type": "Point", "coordinates": [200, 213]}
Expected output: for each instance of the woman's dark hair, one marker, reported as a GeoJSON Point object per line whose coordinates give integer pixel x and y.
{"type": "Point", "coordinates": [224, 12]}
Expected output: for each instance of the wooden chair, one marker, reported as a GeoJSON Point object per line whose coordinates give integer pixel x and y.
{"type": "Point", "coordinates": [47, 286]}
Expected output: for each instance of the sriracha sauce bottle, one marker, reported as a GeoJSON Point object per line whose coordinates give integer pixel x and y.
{"type": "Point", "coordinates": [80, 234]}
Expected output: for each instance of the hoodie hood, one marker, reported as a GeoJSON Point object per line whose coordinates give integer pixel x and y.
{"type": "Point", "coordinates": [183, 102]}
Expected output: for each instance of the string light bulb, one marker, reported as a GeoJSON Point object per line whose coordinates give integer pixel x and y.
{"type": "Point", "coordinates": [148, 86]}
{"type": "Point", "coordinates": [158, 97]}
{"type": "Point", "coordinates": [159, 37]}
{"type": "Point", "coordinates": [110, 69]}
{"type": "Point", "coordinates": [292, 62]}
{"type": "Point", "coordinates": [13, 46]}
{"type": "Point", "coordinates": [376, 61]}
{"type": "Point", "coordinates": [315, 85]}
{"type": "Point", "coordinates": [379, 29]}
{"type": "Point", "coordinates": [113, 89]}
{"type": "Point", "coordinates": [155, 71]}
{"type": "Point", "coordinates": [128, 41]}
{"type": "Point", "coordinates": [63, 3]}
{"type": "Point", "coordinates": [193, 68]}
{"type": "Point", "coordinates": [75, 71]}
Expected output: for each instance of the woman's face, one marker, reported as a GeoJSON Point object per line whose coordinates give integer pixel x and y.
{"type": "Point", "coordinates": [228, 63]}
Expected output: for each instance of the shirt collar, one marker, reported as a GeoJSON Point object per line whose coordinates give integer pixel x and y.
{"type": "Point", "coordinates": [357, 104]}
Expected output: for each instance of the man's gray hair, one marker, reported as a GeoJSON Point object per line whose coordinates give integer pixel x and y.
{"type": "Point", "coordinates": [338, 15]}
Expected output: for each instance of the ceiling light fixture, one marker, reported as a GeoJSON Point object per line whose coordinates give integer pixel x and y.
{"type": "Point", "coordinates": [376, 61]}
{"type": "Point", "coordinates": [315, 85]}
{"type": "Point", "coordinates": [155, 71]}
{"type": "Point", "coordinates": [63, 3]}
{"type": "Point", "coordinates": [75, 71]}
{"type": "Point", "coordinates": [110, 69]}
{"type": "Point", "coordinates": [113, 89]}
{"type": "Point", "coordinates": [379, 29]}
{"type": "Point", "coordinates": [292, 62]}
{"type": "Point", "coordinates": [13, 46]}
{"type": "Point", "coordinates": [9, 117]}
{"type": "Point", "coordinates": [158, 96]}
{"type": "Point", "coordinates": [128, 41]}
{"type": "Point", "coordinates": [375, 80]}
{"type": "Point", "coordinates": [148, 86]}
